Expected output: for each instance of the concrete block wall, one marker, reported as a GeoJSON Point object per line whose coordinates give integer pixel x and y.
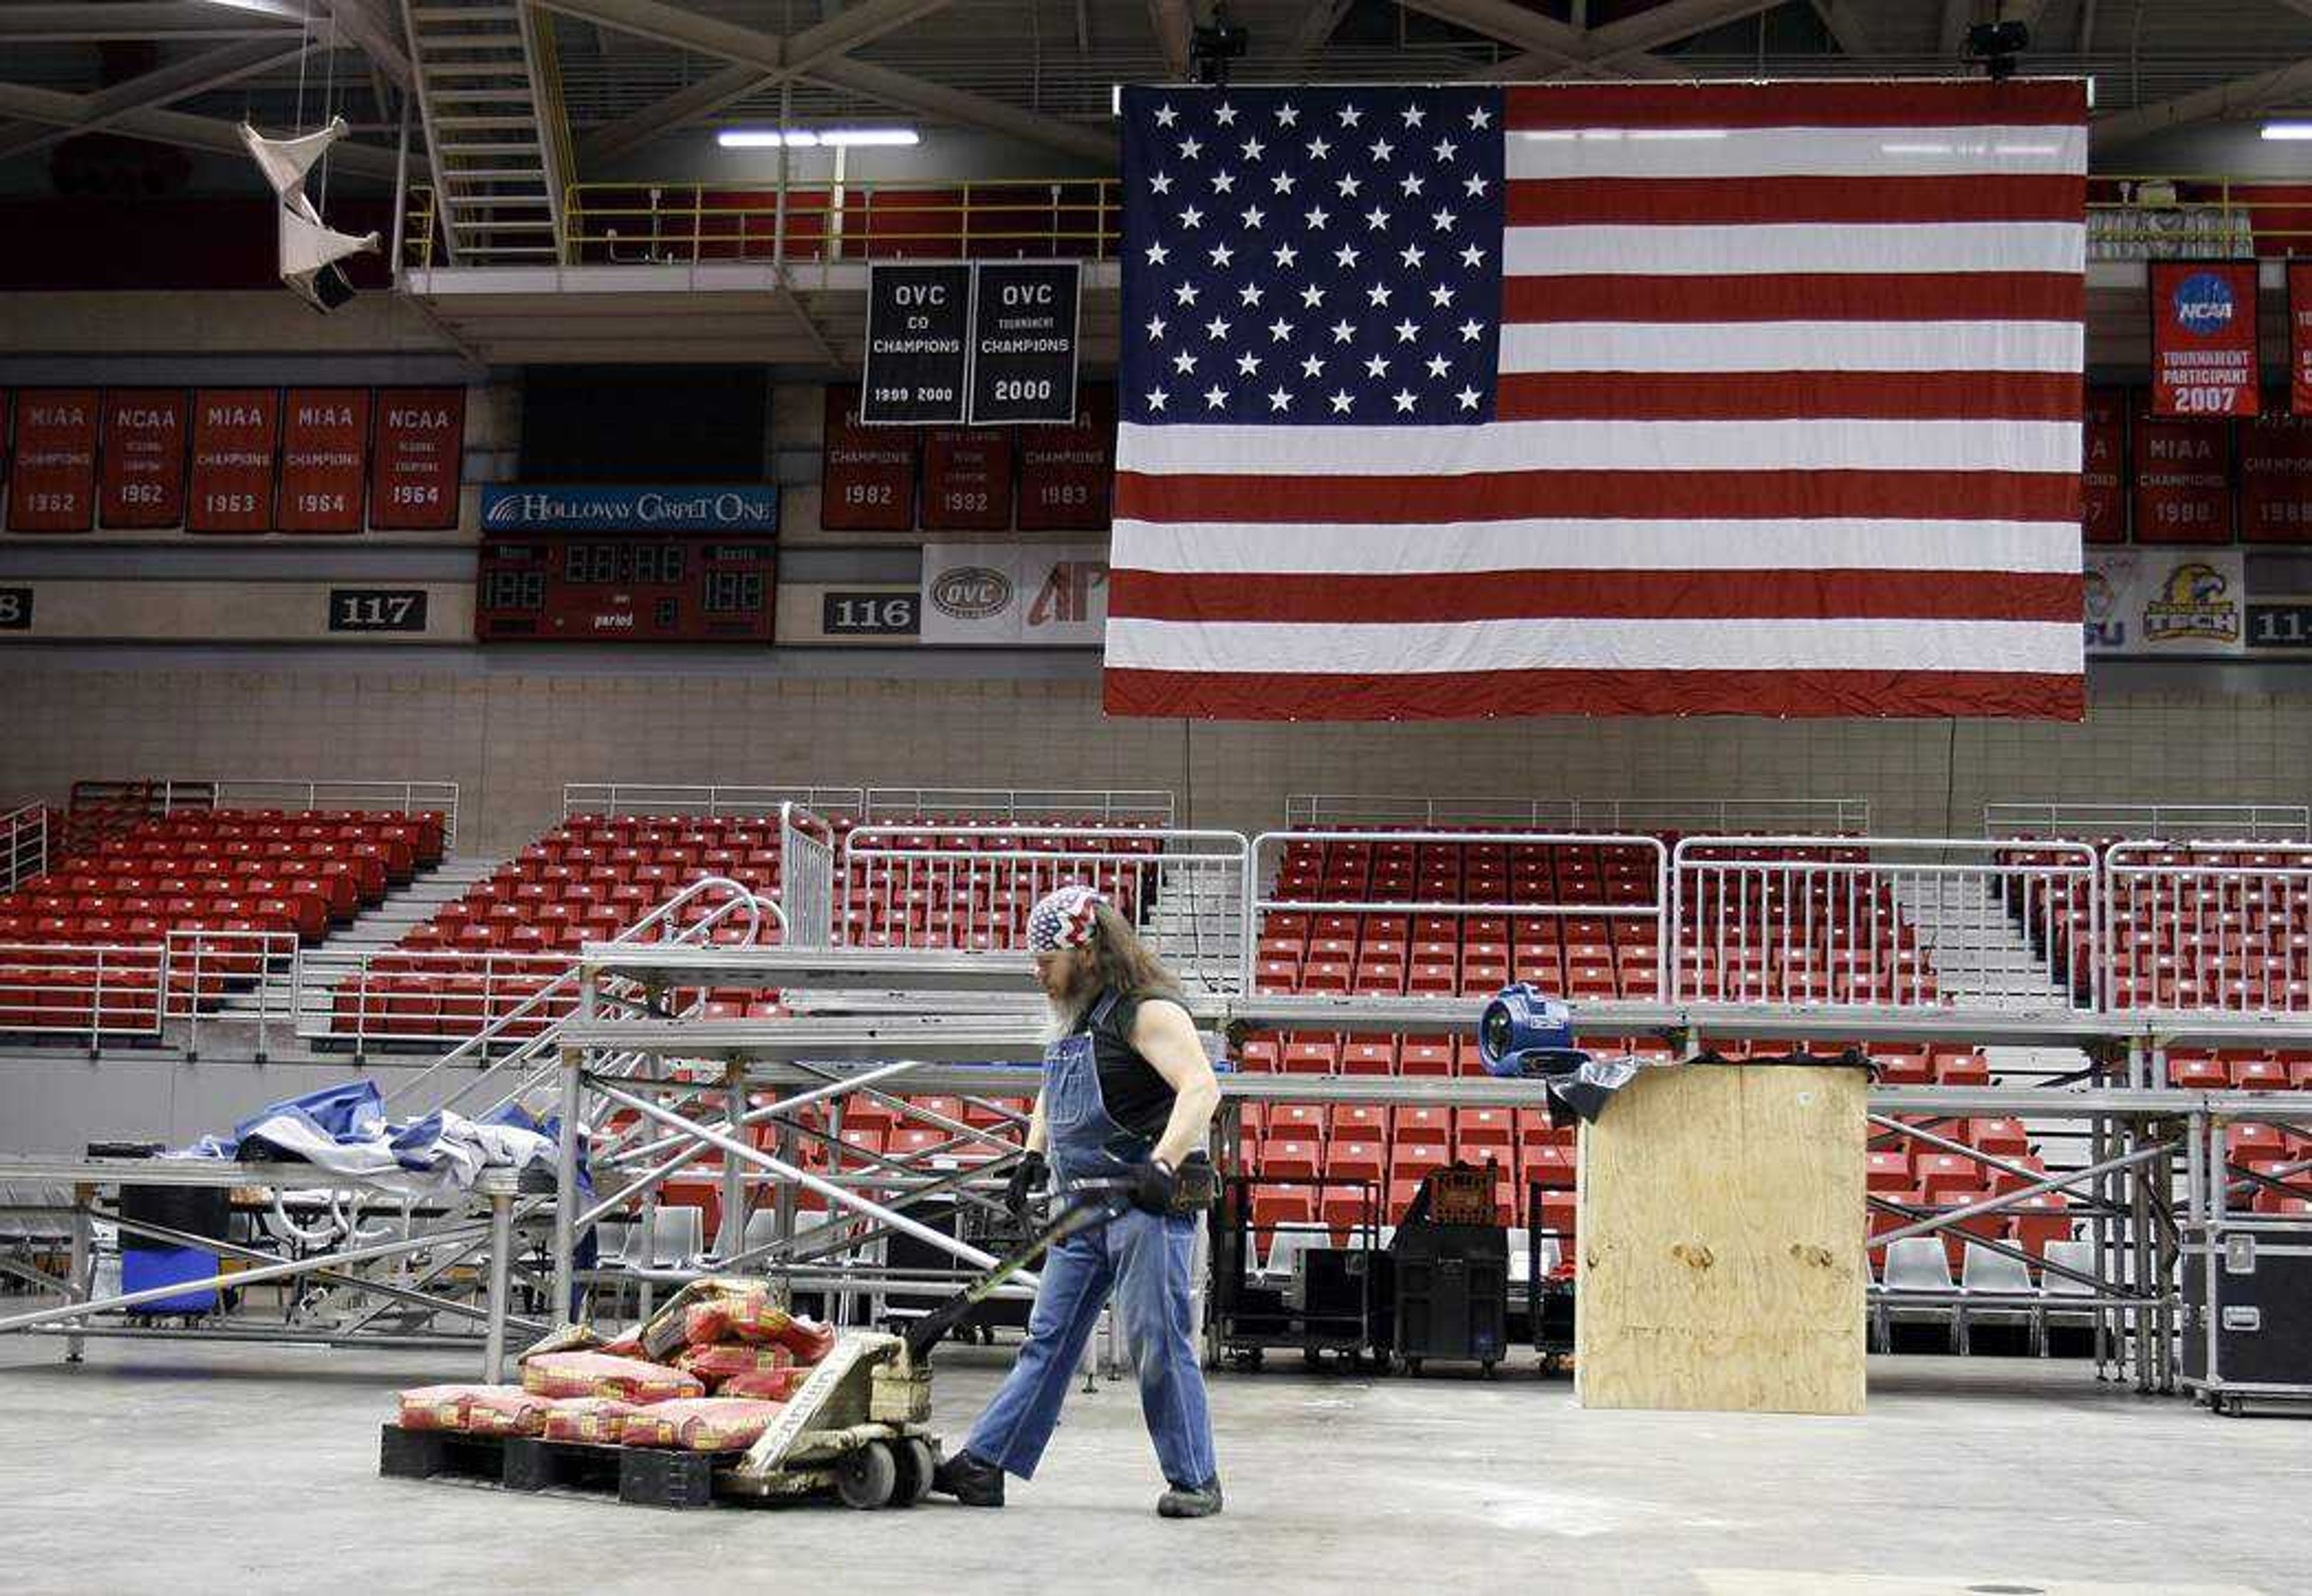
{"type": "Point", "coordinates": [511, 739]}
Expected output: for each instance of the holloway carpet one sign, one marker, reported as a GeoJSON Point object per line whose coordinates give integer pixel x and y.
{"type": "Point", "coordinates": [749, 507]}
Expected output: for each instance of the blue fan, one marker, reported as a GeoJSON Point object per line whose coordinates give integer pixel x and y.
{"type": "Point", "coordinates": [1526, 1032]}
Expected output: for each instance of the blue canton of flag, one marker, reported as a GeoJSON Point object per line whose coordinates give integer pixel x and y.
{"type": "Point", "coordinates": [1301, 256]}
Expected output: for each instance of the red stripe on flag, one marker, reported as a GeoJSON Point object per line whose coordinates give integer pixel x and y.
{"type": "Point", "coordinates": [1975, 197]}
{"type": "Point", "coordinates": [1427, 597]}
{"type": "Point", "coordinates": [1446, 696]}
{"type": "Point", "coordinates": [1800, 296]}
{"type": "Point", "coordinates": [1512, 496]}
{"type": "Point", "coordinates": [2015, 103]}
{"type": "Point", "coordinates": [1765, 396]}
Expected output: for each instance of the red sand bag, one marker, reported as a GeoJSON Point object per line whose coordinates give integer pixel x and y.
{"type": "Point", "coordinates": [504, 1410]}
{"type": "Point", "coordinates": [599, 1374]}
{"type": "Point", "coordinates": [628, 1346]}
{"type": "Point", "coordinates": [769, 1385]}
{"type": "Point", "coordinates": [715, 1365]}
{"type": "Point", "coordinates": [706, 1424]}
{"type": "Point", "coordinates": [434, 1406]}
{"type": "Point", "coordinates": [601, 1420]}
{"type": "Point", "coordinates": [755, 1320]}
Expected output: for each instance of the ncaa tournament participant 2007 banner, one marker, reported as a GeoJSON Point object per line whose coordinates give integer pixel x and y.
{"type": "Point", "coordinates": [2203, 357]}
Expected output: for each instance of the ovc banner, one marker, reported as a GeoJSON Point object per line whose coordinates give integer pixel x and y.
{"type": "Point", "coordinates": [1015, 595]}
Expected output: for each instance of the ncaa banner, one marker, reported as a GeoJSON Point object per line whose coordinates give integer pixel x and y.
{"type": "Point", "coordinates": [2203, 358]}
{"type": "Point", "coordinates": [2299, 337]}
{"type": "Point", "coordinates": [1015, 595]}
{"type": "Point", "coordinates": [2146, 602]}
{"type": "Point", "coordinates": [142, 483]}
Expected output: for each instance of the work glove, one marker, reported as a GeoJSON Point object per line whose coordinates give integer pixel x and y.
{"type": "Point", "coordinates": [1029, 1176]}
{"type": "Point", "coordinates": [1151, 1186]}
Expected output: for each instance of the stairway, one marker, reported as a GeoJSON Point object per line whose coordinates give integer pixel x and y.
{"type": "Point", "coordinates": [493, 118]}
{"type": "Point", "coordinates": [1981, 957]}
{"type": "Point", "coordinates": [1195, 926]}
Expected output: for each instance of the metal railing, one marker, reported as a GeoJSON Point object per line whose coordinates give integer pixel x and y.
{"type": "Point", "coordinates": [808, 894]}
{"type": "Point", "coordinates": [1889, 922]}
{"type": "Point", "coordinates": [2232, 822]}
{"type": "Point", "coordinates": [100, 992]}
{"type": "Point", "coordinates": [969, 888]}
{"type": "Point", "coordinates": [2192, 218]}
{"type": "Point", "coordinates": [1020, 806]}
{"type": "Point", "coordinates": [718, 800]}
{"type": "Point", "coordinates": [23, 845]}
{"type": "Point", "coordinates": [1523, 917]}
{"type": "Point", "coordinates": [2208, 927]}
{"type": "Point", "coordinates": [683, 224]}
{"type": "Point", "coordinates": [1814, 816]}
{"type": "Point", "coordinates": [396, 797]}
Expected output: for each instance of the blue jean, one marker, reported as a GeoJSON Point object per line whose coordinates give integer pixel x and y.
{"type": "Point", "coordinates": [1146, 1259]}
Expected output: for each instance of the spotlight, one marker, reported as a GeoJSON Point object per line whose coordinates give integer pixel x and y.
{"type": "Point", "coordinates": [1998, 46]}
{"type": "Point", "coordinates": [1212, 45]}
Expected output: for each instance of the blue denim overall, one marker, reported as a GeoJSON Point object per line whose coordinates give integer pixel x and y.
{"type": "Point", "coordinates": [1145, 1259]}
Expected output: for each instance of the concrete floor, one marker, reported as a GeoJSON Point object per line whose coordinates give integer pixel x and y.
{"type": "Point", "coordinates": [188, 1470]}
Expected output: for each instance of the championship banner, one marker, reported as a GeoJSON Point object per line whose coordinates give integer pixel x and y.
{"type": "Point", "coordinates": [420, 456]}
{"type": "Point", "coordinates": [2182, 481]}
{"type": "Point", "coordinates": [234, 434]}
{"type": "Point", "coordinates": [2144, 602]}
{"type": "Point", "coordinates": [2275, 491]}
{"type": "Point", "coordinates": [867, 474]}
{"type": "Point", "coordinates": [2103, 467]}
{"type": "Point", "coordinates": [967, 479]}
{"type": "Point", "coordinates": [918, 343]}
{"type": "Point", "coordinates": [2299, 337]}
{"type": "Point", "coordinates": [52, 487]}
{"type": "Point", "coordinates": [1024, 324]}
{"type": "Point", "coordinates": [1067, 474]}
{"type": "Point", "coordinates": [1015, 595]}
{"type": "Point", "coordinates": [2203, 355]}
{"type": "Point", "coordinates": [324, 449]}
{"type": "Point", "coordinates": [143, 480]}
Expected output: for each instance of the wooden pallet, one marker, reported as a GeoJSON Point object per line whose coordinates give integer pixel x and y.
{"type": "Point", "coordinates": [646, 1476]}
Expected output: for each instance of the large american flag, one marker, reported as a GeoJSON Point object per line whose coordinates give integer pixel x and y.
{"type": "Point", "coordinates": [1443, 402]}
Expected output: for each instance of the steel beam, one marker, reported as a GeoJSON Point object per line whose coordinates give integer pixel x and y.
{"type": "Point", "coordinates": [52, 106]}
{"type": "Point", "coordinates": [79, 22]}
{"type": "Point", "coordinates": [2240, 94]}
{"type": "Point", "coordinates": [194, 75]}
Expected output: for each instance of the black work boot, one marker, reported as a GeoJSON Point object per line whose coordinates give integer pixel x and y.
{"type": "Point", "coordinates": [1191, 1501]}
{"type": "Point", "coordinates": [973, 1482]}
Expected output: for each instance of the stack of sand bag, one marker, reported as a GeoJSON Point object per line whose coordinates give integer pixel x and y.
{"type": "Point", "coordinates": [708, 1372]}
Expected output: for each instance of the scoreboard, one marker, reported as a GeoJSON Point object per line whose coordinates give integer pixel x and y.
{"type": "Point", "coordinates": [625, 589]}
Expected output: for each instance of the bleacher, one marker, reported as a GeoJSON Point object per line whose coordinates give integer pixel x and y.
{"type": "Point", "coordinates": [236, 885]}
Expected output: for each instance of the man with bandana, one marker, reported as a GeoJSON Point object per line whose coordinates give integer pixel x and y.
{"type": "Point", "coordinates": [1127, 1098]}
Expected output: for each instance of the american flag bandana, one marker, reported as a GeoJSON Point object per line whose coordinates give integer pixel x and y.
{"type": "Point", "coordinates": [1064, 918]}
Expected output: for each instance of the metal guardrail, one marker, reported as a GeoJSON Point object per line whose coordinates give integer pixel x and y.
{"type": "Point", "coordinates": [1020, 806]}
{"type": "Point", "coordinates": [1577, 927]}
{"type": "Point", "coordinates": [970, 887]}
{"type": "Point", "coordinates": [2231, 823]}
{"type": "Point", "coordinates": [1887, 923]}
{"type": "Point", "coordinates": [100, 992]}
{"type": "Point", "coordinates": [718, 800]}
{"type": "Point", "coordinates": [1814, 816]}
{"type": "Point", "coordinates": [679, 222]}
{"type": "Point", "coordinates": [808, 895]}
{"type": "Point", "coordinates": [23, 845]}
{"type": "Point", "coordinates": [2220, 928]}
{"type": "Point", "coordinates": [398, 797]}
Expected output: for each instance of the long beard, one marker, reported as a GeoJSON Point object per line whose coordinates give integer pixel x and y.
{"type": "Point", "coordinates": [1062, 1013]}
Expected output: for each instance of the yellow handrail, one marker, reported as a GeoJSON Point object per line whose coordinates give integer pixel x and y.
{"type": "Point", "coordinates": [641, 223]}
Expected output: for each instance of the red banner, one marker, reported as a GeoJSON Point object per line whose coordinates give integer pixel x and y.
{"type": "Point", "coordinates": [2203, 358]}
{"type": "Point", "coordinates": [2103, 467]}
{"type": "Point", "coordinates": [967, 479]}
{"type": "Point", "coordinates": [2299, 337]}
{"type": "Point", "coordinates": [1067, 474]}
{"type": "Point", "coordinates": [867, 474]}
{"type": "Point", "coordinates": [234, 432]}
{"type": "Point", "coordinates": [421, 456]}
{"type": "Point", "coordinates": [2182, 481]}
{"type": "Point", "coordinates": [2276, 479]}
{"type": "Point", "coordinates": [53, 488]}
{"type": "Point", "coordinates": [324, 447]}
{"type": "Point", "coordinates": [143, 481]}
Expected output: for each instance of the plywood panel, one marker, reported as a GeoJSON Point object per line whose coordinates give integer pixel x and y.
{"type": "Point", "coordinates": [1722, 1242]}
